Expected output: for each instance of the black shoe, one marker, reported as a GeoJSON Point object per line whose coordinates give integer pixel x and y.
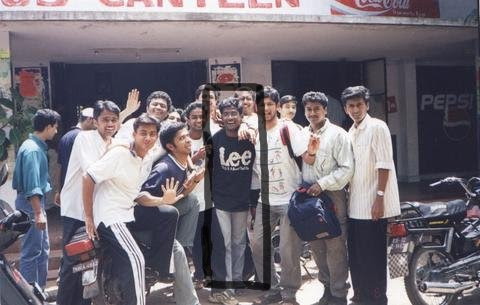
{"type": "Point", "coordinates": [50, 296]}
{"type": "Point", "coordinates": [337, 301]}
{"type": "Point", "coordinates": [327, 294]}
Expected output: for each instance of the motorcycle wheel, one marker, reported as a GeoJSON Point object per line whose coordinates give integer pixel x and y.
{"type": "Point", "coordinates": [424, 260]}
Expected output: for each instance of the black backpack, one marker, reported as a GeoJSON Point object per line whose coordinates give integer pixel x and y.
{"type": "Point", "coordinates": [313, 217]}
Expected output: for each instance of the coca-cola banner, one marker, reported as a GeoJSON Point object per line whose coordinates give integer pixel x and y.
{"type": "Point", "coordinates": [447, 125]}
{"type": "Point", "coordinates": [397, 8]}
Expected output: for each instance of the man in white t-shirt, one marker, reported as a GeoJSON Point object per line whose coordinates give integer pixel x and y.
{"type": "Point", "coordinates": [110, 187]}
{"type": "Point", "coordinates": [87, 148]}
{"type": "Point", "coordinates": [373, 199]}
{"type": "Point", "coordinates": [279, 177]}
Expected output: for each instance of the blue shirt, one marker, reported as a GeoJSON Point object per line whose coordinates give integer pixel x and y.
{"type": "Point", "coordinates": [64, 151]}
{"type": "Point", "coordinates": [30, 176]}
{"type": "Point", "coordinates": [166, 168]}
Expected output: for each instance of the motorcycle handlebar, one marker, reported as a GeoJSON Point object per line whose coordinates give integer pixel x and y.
{"type": "Point", "coordinates": [8, 221]}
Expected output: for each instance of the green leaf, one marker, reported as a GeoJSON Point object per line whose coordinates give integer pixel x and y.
{"type": "Point", "coordinates": [15, 137]}
{"type": "Point", "coordinates": [3, 137]}
{"type": "Point", "coordinates": [7, 103]}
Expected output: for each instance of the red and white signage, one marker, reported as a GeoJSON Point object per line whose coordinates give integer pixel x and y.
{"type": "Point", "coordinates": [397, 8]}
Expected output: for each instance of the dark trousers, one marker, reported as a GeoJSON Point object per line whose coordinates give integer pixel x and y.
{"type": "Point", "coordinates": [162, 222]}
{"type": "Point", "coordinates": [70, 289]}
{"type": "Point", "coordinates": [367, 254]}
{"type": "Point", "coordinates": [208, 247]}
{"type": "Point", "coordinates": [128, 263]}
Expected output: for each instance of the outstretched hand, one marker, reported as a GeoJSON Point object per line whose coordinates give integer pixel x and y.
{"type": "Point", "coordinates": [170, 191]}
{"type": "Point", "coordinates": [133, 104]}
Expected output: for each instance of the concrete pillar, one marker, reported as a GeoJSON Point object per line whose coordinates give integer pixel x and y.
{"type": "Point", "coordinates": [409, 119]}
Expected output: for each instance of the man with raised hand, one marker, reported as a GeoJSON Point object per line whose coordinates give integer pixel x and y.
{"type": "Point", "coordinates": [331, 172]}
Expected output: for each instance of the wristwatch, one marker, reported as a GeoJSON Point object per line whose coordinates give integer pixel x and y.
{"type": "Point", "coordinates": [380, 193]}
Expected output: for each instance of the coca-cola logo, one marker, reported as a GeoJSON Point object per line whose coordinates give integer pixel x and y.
{"type": "Point", "coordinates": [384, 4]}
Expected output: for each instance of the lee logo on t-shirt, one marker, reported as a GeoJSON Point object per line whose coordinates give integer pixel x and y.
{"type": "Point", "coordinates": [235, 161]}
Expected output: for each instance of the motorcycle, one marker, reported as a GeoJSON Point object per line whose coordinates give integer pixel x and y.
{"type": "Point", "coordinates": [14, 289]}
{"type": "Point", "coordinates": [99, 280]}
{"type": "Point", "coordinates": [435, 247]}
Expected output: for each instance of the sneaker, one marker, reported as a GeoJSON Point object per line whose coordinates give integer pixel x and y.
{"type": "Point", "coordinates": [224, 297]}
{"type": "Point", "coordinates": [327, 294]}
{"type": "Point", "coordinates": [269, 298]}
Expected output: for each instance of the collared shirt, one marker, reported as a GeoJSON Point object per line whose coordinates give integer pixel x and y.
{"type": "Point", "coordinates": [283, 173]}
{"type": "Point", "coordinates": [118, 178]}
{"type": "Point", "coordinates": [202, 189]}
{"type": "Point", "coordinates": [334, 165]}
{"type": "Point", "coordinates": [372, 149]}
{"type": "Point", "coordinates": [88, 147]}
{"type": "Point", "coordinates": [30, 176]}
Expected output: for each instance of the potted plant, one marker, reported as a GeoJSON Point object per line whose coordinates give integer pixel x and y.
{"type": "Point", "coordinates": [15, 122]}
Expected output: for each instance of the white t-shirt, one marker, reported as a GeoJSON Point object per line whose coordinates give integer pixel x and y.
{"type": "Point", "coordinates": [284, 176]}
{"type": "Point", "coordinates": [251, 120]}
{"type": "Point", "coordinates": [88, 147]}
{"type": "Point", "coordinates": [118, 179]}
{"type": "Point", "coordinates": [125, 133]}
{"type": "Point", "coordinates": [203, 187]}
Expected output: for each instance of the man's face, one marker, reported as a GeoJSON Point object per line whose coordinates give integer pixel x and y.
{"type": "Point", "coordinates": [107, 124]}
{"type": "Point", "coordinates": [270, 109]}
{"type": "Point", "coordinates": [288, 110]}
{"type": "Point", "coordinates": [231, 118]}
{"type": "Point", "coordinates": [182, 144]}
{"type": "Point", "coordinates": [158, 107]}
{"type": "Point", "coordinates": [51, 131]}
{"type": "Point", "coordinates": [210, 97]}
{"type": "Point", "coordinates": [315, 113]}
{"type": "Point", "coordinates": [356, 108]}
{"type": "Point", "coordinates": [195, 119]}
{"type": "Point", "coordinates": [174, 117]}
{"type": "Point", "coordinates": [88, 124]}
{"type": "Point", "coordinates": [246, 98]}
{"type": "Point", "coordinates": [145, 137]}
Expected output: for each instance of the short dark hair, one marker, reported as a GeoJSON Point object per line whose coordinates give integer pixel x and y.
{"type": "Point", "coordinates": [246, 89]}
{"type": "Point", "coordinates": [168, 132]}
{"type": "Point", "coordinates": [270, 92]}
{"type": "Point", "coordinates": [44, 118]}
{"type": "Point", "coordinates": [160, 95]}
{"type": "Point", "coordinates": [355, 92]}
{"type": "Point", "coordinates": [101, 106]}
{"type": "Point", "coordinates": [288, 99]}
{"type": "Point", "coordinates": [146, 119]}
{"type": "Point", "coordinates": [315, 97]}
{"type": "Point", "coordinates": [231, 102]}
{"type": "Point", "coordinates": [192, 106]}
{"type": "Point", "coordinates": [207, 87]}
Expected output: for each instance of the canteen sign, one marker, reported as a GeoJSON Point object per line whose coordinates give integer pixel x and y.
{"type": "Point", "coordinates": [397, 8]}
{"type": "Point", "coordinates": [208, 6]}
{"type": "Point", "coordinates": [404, 8]}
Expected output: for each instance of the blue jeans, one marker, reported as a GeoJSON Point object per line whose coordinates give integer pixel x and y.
{"type": "Point", "coordinates": [35, 246]}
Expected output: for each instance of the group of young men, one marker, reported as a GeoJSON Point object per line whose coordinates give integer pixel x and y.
{"type": "Point", "coordinates": [204, 186]}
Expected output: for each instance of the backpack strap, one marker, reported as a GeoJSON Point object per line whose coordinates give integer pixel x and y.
{"type": "Point", "coordinates": [285, 136]}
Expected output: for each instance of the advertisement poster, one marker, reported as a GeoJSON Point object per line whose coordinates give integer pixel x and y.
{"type": "Point", "coordinates": [225, 74]}
{"type": "Point", "coordinates": [447, 125]}
{"type": "Point", "coordinates": [33, 85]}
{"type": "Point", "coordinates": [397, 8]}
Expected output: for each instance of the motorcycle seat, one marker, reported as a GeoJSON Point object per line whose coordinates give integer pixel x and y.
{"type": "Point", "coordinates": [434, 210]}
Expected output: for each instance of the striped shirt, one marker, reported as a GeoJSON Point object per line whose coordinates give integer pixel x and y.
{"type": "Point", "coordinates": [372, 150]}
